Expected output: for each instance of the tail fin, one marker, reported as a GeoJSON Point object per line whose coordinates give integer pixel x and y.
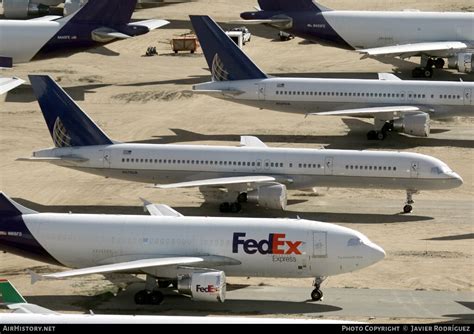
{"type": "Point", "coordinates": [10, 208]}
{"type": "Point", "coordinates": [224, 58]}
{"type": "Point", "coordinates": [291, 5]}
{"type": "Point", "coordinates": [67, 123]}
{"type": "Point", "coordinates": [105, 13]}
{"type": "Point", "coordinates": [9, 293]}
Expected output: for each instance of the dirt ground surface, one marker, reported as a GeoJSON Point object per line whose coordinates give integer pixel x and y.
{"type": "Point", "coordinates": [143, 99]}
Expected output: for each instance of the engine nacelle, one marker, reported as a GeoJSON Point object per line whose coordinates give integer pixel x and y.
{"type": "Point", "coordinates": [415, 125]}
{"type": "Point", "coordinates": [203, 286]}
{"type": "Point", "coordinates": [462, 62]}
{"type": "Point", "coordinates": [270, 196]}
{"type": "Point", "coordinates": [22, 9]}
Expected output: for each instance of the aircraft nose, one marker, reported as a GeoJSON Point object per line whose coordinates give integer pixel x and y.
{"type": "Point", "coordinates": [376, 253]}
{"type": "Point", "coordinates": [456, 179]}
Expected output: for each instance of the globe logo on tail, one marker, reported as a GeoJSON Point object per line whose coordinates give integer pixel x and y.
{"type": "Point", "coordinates": [218, 71]}
{"type": "Point", "coordinates": [61, 137]}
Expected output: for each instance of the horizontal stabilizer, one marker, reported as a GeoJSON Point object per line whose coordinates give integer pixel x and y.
{"type": "Point", "coordinates": [46, 18]}
{"type": "Point", "coordinates": [214, 92]}
{"type": "Point", "coordinates": [118, 267]}
{"type": "Point", "coordinates": [388, 77]}
{"type": "Point", "coordinates": [53, 159]}
{"type": "Point", "coordinates": [160, 209]}
{"type": "Point", "coordinates": [15, 301]}
{"type": "Point", "coordinates": [151, 24]}
{"type": "Point", "coordinates": [10, 208]}
{"type": "Point", "coordinates": [369, 111]}
{"type": "Point", "coordinates": [406, 50]}
{"type": "Point", "coordinates": [7, 84]}
{"type": "Point", "coordinates": [219, 182]}
{"type": "Point", "coordinates": [278, 22]}
{"type": "Point", "coordinates": [105, 34]}
{"type": "Point", "coordinates": [251, 141]}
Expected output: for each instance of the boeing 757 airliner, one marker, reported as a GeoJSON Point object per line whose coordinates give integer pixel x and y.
{"type": "Point", "coordinates": [251, 173]}
{"type": "Point", "coordinates": [197, 253]}
{"type": "Point", "coordinates": [429, 35]}
{"type": "Point", "coordinates": [396, 105]}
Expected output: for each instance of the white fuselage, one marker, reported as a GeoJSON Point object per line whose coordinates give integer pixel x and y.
{"type": "Point", "coordinates": [22, 40]}
{"type": "Point", "coordinates": [297, 168]}
{"type": "Point", "coordinates": [319, 249]}
{"type": "Point", "coordinates": [370, 29]}
{"type": "Point", "coordinates": [438, 98]}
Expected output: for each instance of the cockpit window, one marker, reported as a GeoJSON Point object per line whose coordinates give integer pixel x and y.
{"type": "Point", "coordinates": [435, 170]}
{"type": "Point", "coordinates": [354, 242]}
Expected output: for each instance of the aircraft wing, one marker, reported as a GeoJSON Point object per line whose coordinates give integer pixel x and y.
{"type": "Point", "coordinates": [118, 267]}
{"type": "Point", "coordinates": [160, 209]}
{"type": "Point", "coordinates": [219, 182]}
{"type": "Point", "coordinates": [407, 50]}
{"type": "Point", "coordinates": [151, 24]}
{"type": "Point", "coordinates": [364, 112]}
{"type": "Point", "coordinates": [7, 84]}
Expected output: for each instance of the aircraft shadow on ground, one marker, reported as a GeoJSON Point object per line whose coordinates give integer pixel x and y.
{"type": "Point", "coordinates": [355, 139]}
{"type": "Point", "coordinates": [209, 209]}
{"type": "Point", "coordinates": [175, 304]}
{"type": "Point", "coordinates": [467, 236]}
{"type": "Point", "coordinates": [191, 80]}
{"type": "Point", "coordinates": [24, 93]}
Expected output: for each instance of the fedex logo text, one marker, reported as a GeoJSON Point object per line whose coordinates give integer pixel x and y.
{"type": "Point", "coordinates": [275, 244]}
{"type": "Point", "coordinates": [206, 289]}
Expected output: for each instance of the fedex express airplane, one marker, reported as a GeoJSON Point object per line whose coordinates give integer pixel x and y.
{"type": "Point", "coordinates": [433, 36]}
{"type": "Point", "coordinates": [169, 247]}
{"type": "Point", "coordinates": [252, 173]}
{"type": "Point", "coordinates": [97, 22]}
{"type": "Point", "coordinates": [25, 313]}
{"type": "Point", "coordinates": [396, 105]}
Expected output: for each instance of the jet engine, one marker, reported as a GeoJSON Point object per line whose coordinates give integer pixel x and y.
{"type": "Point", "coordinates": [462, 62]}
{"type": "Point", "coordinates": [203, 286]}
{"type": "Point", "coordinates": [269, 196]}
{"type": "Point", "coordinates": [415, 125]}
{"type": "Point", "coordinates": [22, 9]}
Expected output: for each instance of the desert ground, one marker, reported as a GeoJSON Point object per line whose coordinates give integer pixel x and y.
{"type": "Point", "coordinates": [143, 99]}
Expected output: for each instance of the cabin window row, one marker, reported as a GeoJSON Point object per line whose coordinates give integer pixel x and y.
{"type": "Point", "coordinates": [359, 94]}
{"type": "Point", "coordinates": [195, 162]}
{"type": "Point", "coordinates": [392, 95]}
{"type": "Point", "coordinates": [365, 167]}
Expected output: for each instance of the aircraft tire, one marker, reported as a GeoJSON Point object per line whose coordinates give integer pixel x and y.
{"type": "Point", "coordinates": [407, 208]}
{"type": "Point", "coordinates": [316, 295]}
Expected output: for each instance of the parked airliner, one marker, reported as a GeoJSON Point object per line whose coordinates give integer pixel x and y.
{"type": "Point", "coordinates": [25, 313]}
{"type": "Point", "coordinates": [396, 105]}
{"type": "Point", "coordinates": [96, 23]}
{"type": "Point", "coordinates": [195, 252]}
{"type": "Point", "coordinates": [433, 36]}
{"type": "Point", "coordinates": [254, 173]}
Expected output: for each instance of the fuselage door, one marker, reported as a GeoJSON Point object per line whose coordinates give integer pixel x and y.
{"type": "Point", "coordinates": [467, 96]}
{"type": "Point", "coordinates": [414, 169]}
{"type": "Point", "coordinates": [328, 165]}
{"type": "Point", "coordinates": [107, 158]}
{"type": "Point", "coordinates": [320, 244]}
{"type": "Point", "coordinates": [261, 91]}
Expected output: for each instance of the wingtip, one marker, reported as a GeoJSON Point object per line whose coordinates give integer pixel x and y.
{"type": "Point", "coordinates": [34, 276]}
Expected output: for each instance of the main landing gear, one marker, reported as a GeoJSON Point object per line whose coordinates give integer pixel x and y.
{"type": "Point", "coordinates": [382, 134]}
{"type": "Point", "coordinates": [408, 205]}
{"type": "Point", "coordinates": [151, 296]}
{"type": "Point", "coordinates": [426, 68]}
{"type": "Point", "coordinates": [234, 207]}
{"type": "Point", "coordinates": [317, 294]}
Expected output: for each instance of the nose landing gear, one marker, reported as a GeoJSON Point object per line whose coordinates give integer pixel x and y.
{"type": "Point", "coordinates": [408, 205]}
{"type": "Point", "coordinates": [317, 294]}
